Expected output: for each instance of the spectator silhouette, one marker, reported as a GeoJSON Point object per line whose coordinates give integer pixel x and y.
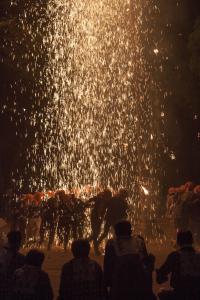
{"type": "Point", "coordinates": [81, 278]}
{"type": "Point", "coordinates": [183, 266]}
{"type": "Point", "coordinates": [30, 281]}
{"type": "Point", "coordinates": [127, 266]}
{"type": "Point", "coordinates": [10, 260]}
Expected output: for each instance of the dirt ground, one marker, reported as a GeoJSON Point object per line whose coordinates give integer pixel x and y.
{"type": "Point", "coordinates": [56, 258]}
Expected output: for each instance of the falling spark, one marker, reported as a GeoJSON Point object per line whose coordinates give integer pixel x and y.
{"type": "Point", "coordinates": [95, 118]}
{"type": "Point", "coordinates": [156, 51]}
{"type": "Point", "coordinates": [146, 192]}
{"type": "Point", "coordinates": [173, 156]}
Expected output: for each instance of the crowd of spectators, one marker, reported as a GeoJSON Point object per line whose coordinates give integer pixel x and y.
{"type": "Point", "coordinates": [126, 275]}
{"type": "Point", "coordinates": [183, 208]}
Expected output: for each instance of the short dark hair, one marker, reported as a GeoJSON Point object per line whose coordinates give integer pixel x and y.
{"type": "Point", "coordinates": [123, 228]}
{"type": "Point", "coordinates": [107, 193]}
{"type": "Point", "coordinates": [184, 238]}
{"type": "Point", "coordinates": [14, 238]}
{"type": "Point", "coordinates": [80, 248]}
{"type": "Point", "coordinates": [35, 258]}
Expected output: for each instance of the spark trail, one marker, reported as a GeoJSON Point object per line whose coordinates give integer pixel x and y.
{"type": "Point", "coordinates": [98, 127]}
{"type": "Point", "coordinates": [101, 110]}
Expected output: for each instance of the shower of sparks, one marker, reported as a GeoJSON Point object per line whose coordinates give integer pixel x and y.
{"type": "Point", "coordinates": [98, 127]}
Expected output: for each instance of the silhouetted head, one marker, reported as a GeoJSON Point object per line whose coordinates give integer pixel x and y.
{"type": "Point", "coordinates": [184, 238]}
{"type": "Point", "coordinates": [14, 240]}
{"type": "Point", "coordinates": [80, 248]}
{"type": "Point", "coordinates": [107, 194]}
{"type": "Point", "coordinates": [123, 228]}
{"type": "Point", "coordinates": [123, 193]}
{"type": "Point", "coordinates": [35, 258]}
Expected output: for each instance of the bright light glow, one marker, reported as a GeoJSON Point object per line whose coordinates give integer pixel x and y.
{"type": "Point", "coordinates": [173, 156]}
{"type": "Point", "coordinates": [156, 51]}
{"type": "Point", "coordinates": [146, 192]}
{"type": "Point", "coordinates": [99, 121]}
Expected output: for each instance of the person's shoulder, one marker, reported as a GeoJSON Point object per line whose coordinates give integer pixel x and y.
{"type": "Point", "coordinates": [174, 255]}
{"type": "Point", "coordinates": [138, 237]}
{"type": "Point", "coordinates": [44, 275]}
{"type": "Point", "coordinates": [67, 265]}
{"type": "Point", "coordinates": [19, 254]}
{"type": "Point", "coordinates": [21, 257]}
{"type": "Point", "coordinates": [110, 243]}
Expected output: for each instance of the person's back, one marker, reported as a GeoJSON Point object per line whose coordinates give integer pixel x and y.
{"type": "Point", "coordinates": [51, 211]}
{"type": "Point", "coordinates": [183, 266]}
{"type": "Point", "coordinates": [10, 260]}
{"type": "Point", "coordinates": [99, 206]}
{"type": "Point", "coordinates": [189, 273]}
{"type": "Point", "coordinates": [128, 280]}
{"type": "Point", "coordinates": [98, 212]}
{"type": "Point", "coordinates": [81, 278]}
{"type": "Point", "coordinates": [30, 281]}
{"type": "Point", "coordinates": [124, 269]}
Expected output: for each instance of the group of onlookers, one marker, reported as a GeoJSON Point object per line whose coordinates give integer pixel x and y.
{"type": "Point", "coordinates": [126, 275]}
{"type": "Point", "coordinates": [183, 207]}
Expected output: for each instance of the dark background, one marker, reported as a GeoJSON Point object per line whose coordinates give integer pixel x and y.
{"type": "Point", "coordinates": [175, 33]}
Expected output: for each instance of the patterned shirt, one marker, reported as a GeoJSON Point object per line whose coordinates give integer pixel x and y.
{"type": "Point", "coordinates": [121, 247]}
{"type": "Point", "coordinates": [81, 279]}
{"type": "Point", "coordinates": [183, 266]}
{"type": "Point", "coordinates": [31, 283]}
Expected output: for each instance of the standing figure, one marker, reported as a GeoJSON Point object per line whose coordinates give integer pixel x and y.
{"type": "Point", "coordinates": [34, 219]}
{"type": "Point", "coordinates": [183, 268]}
{"type": "Point", "coordinates": [117, 208]}
{"type": "Point", "coordinates": [49, 220]}
{"type": "Point", "coordinates": [100, 203]}
{"type": "Point", "coordinates": [21, 214]}
{"type": "Point", "coordinates": [30, 281]}
{"type": "Point", "coordinates": [127, 266]}
{"type": "Point", "coordinates": [64, 219]}
{"type": "Point", "coordinates": [81, 277]}
{"type": "Point", "coordinates": [193, 209]}
{"type": "Point", "coordinates": [78, 217]}
{"type": "Point", "coordinates": [186, 196]}
{"type": "Point", "coordinates": [172, 196]}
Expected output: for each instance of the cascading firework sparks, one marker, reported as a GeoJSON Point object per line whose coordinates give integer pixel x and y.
{"type": "Point", "coordinates": [98, 127]}
{"type": "Point", "coordinates": [101, 115]}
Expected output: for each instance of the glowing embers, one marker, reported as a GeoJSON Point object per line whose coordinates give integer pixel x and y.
{"type": "Point", "coordinates": [98, 126]}
{"type": "Point", "coordinates": [100, 108]}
